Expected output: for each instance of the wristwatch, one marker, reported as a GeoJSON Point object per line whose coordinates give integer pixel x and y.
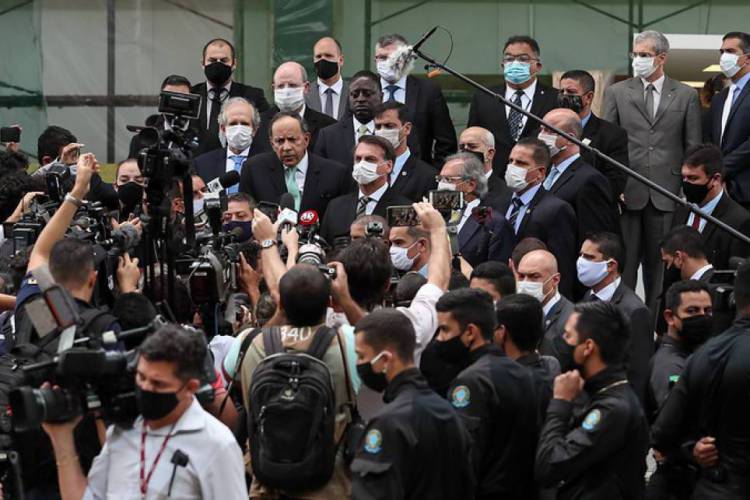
{"type": "Point", "coordinates": [72, 199]}
{"type": "Point", "coordinates": [267, 244]}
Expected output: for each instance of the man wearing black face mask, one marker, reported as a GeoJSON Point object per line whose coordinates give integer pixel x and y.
{"type": "Point", "coordinates": [494, 394]}
{"type": "Point", "coordinates": [703, 184]}
{"type": "Point", "coordinates": [432, 462]}
{"type": "Point", "coordinates": [219, 63]}
{"type": "Point", "coordinates": [577, 93]}
{"type": "Point", "coordinates": [329, 94]}
{"type": "Point", "coordinates": [172, 425]}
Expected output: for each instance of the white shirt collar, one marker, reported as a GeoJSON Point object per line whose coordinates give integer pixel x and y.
{"type": "Point", "coordinates": [606, 293]}
{"type": "Point", "coordinates": [401, 83]}
{"type": "Point", "coordinates": [337, 87]}
{"type": "Point", "coordinates": [700, 272]}
{"type": "Point", "coordinates": [244, 153]}
{"type": "Point", "coordinates": [303, 163]}
{"type": "Point", "coordinates": [529, 91]}
{"type": "Point", "coordinates": [658, 84]}
{"type": "Point", "coordinates": [546, 308]}
{"type": "Point", "coordinates": [370, 125]}
{"type": "Point", "coordinates": [487, 175]}
{"type": "Point", "coordinates": [528, 195]}
{"type": "Point", "coordinates": [376, 195]}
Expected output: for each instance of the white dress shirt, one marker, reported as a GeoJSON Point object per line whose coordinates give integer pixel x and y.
{"type": "Point", "coordinates": [374, 198]}
{"type": "Point", "coordinates": [467, 212]}
{"type": "Point", "coordinates": [700, 272]}
{"type": "Point", "coordinates": [526, 99]}
{"type": "Point", "coordinates": [399, 95]}
{"type": "Point", "coordinates": [230, 160]}
{"type": "Point", "coordinates": [549, 305]}
{"type": "Point", "coordinates": [337, 88]}
{"type": "Point", "coordinates": [658, 87]}
{"type": "Point", "coordinates": [606, 293]}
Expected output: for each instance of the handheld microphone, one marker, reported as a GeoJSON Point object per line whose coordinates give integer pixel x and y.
{"type": "Point", "coordinates": [213, 210]}
{"type": "Point", "coordinates": [224, 181]}
{"type": "Point", "coordinates": [308, 224]}
{"type": "Point", "coordinates": [178, 459]}
{"type": "Point", "coordinates": [288, 215]}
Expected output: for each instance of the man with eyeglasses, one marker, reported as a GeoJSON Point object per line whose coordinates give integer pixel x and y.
{"type": "Point", "coordinates": [521, 62]}
{"type": "Point", "coordinates": [663, 119]}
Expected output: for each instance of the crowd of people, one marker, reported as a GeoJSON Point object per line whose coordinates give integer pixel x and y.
{"type": "Point", "coordinates": [493, 350]}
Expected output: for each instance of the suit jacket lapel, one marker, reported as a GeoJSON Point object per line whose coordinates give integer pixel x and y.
{"type": "Point", "coordinates": [310, 189]}
{"type": "Point", "coordinates": [277, 176]}
{"type": "Point", "coordinates": [635, 92]}
{"type": "Point", "coordinates": [344, 101]}
{"type": "Point", "coordinates": [467, 231]}
{"type": "Point", "coordinates": [617, 296]}
{"type": "Point", "coordinates": [719, 211]}
{"type": "Point", "coordinates": [736, 105]}
{"type": "Point", "coordinates": [667, 96]}
{"type": "Point", "coordinates": [536, 107]}
{"type": "Point", "coordinates": [313, 97]}
{"type": "Point", "coordinates": [405, 175]}
{"type": "Point", "coordinates": [530, 210]}
{"type": "Point", "coordinates": [591, 128]}
{"type": "Point", "coordinates": [412, 96]}
{"type": "Point", "coordinates": [565, 176]}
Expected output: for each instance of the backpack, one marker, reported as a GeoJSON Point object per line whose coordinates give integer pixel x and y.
{"type": "Point", "coordinates": [292, 415]}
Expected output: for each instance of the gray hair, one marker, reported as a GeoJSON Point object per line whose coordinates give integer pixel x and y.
{"type": "Point", "coordinates": [657, 39]}
{"type": "Point", "coordinates": [238, 100]}
{"type": "Point", "coordinates": [390, 39]}
{"type": "Point", "coordinates": [473, 170]}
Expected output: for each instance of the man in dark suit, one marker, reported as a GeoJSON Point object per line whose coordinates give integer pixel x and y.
{"type": "Point", "coordinates": [219, 63]}
{"type": "Point", "coordinates": [481, 142]}
{"type": "Point", "coordinates": [730, 116]}
{"type": "Point", "coordinates": [290, 88]}
{"type": "Point", "coordinates": [577, 93]}
{"type": "Point", "coordinates": [428, 110]}
{"type": "Point", "coordinates": [535, 213]}
{"type": "Point", "coordinates": [521, 63]}
{"type": "Point", "coordinates": [682, 251]}
{"type": "Point", "coordinates": [573, 180]}
{"type": "Point", "coordinates": [702, 184]}
{"type": "Point", "coordinates": [537, 275]}
{"type": "Point", "coordinates": [479, 238]}
{"type": "Point", "coordinates": [373, 162]}
{"type": "Point", "coordinates": [312, 181]}
{"type": "Point", "coordinates": [238, 121]}
{"type": "Point", "coordinates": [329, 94]}
{"type": "Point", "coordinates": [410, 177]}
{"type": "Point", "coordinates": [599, 268]}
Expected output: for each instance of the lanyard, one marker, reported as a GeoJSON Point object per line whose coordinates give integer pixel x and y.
{"type": "Point", "coordinates": [145, 479]}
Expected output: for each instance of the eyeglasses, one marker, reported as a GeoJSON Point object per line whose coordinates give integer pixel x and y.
{"type": "Point", "coordinates": [633, 55]}
{"type": "Point", "coordinates": [522, 58]}
{"type": "Point", "coordinates": [448, 178]}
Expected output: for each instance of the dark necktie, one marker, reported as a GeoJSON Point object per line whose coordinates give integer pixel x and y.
{"type": "Point", "coordinates": [362, 206]}
{"type": "Point", "coordinates": [217, 97]}
{"type": "Point", "coordinates": [392, 92]}
{"type": "Point", "coordinates": [328, 109]}
{"type": "Point", "coordinates": [517, 204]}
{"type": "Point", "coordinates": [650, 101]}
{"type": "Point", "coordinates": [515, 118]}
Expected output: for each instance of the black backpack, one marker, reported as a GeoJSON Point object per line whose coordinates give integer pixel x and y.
{"type": "Point", "coordinates": [292, 415]}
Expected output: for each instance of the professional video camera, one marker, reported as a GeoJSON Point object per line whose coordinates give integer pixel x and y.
{"type": "Point", "coordinates": [312, 247]}
{"type": "Point", "coordinates": [721, 286]}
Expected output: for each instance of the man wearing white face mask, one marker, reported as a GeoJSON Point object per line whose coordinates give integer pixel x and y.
{"type": "Point", "coordinates": [373, 162]}
{"type": "Point", "coordinates": [730, 116]}
{"type": "Point", "coordinates": [410, 177]}
{"type": "Point", "coordinates": [238, 121]}
{"type": "Point", "coordinates": [599, 269]}
{"type": "Point", "coordinates": [428, 109]}
{"type": "Point", "coordinates": [663, 119]}
{"type": "Point", "coordinates": [290, 89]}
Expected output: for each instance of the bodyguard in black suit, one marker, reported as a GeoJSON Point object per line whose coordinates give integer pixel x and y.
{"type": "Point", "coordinates": [730, 116]}
{"type": "Point", "coordinates": [521, 63]}
{"type": "Point", "coordinates": [481, 142]}
{"type": "Point", "coordinates": [374, 157]}
{"type": "Point", "coordinates": [267, 176]}
{"type": "Point", "coordinates": [411, 177]}
{"type": "Point", "coordinates": [219, 63]}
{"type": "Point", "coordinates": [428, 110]}
{"type": "Point", "coordinates": [577, 93]}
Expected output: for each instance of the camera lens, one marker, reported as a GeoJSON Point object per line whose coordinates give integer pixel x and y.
{"type": "Point", "coordinates": [31, 407]}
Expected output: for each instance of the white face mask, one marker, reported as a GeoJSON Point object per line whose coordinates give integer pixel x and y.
{"type": "Point", "coordinates": [532, 288]}
{"type": "Point", "coordinates": [239, 137]}
{"type": "Point", "coordinates": [446, 186]}
{"type": "Point", "coordinates": [290, 98]}
{"type": "Point", "coordinates": [728, 64]}
{"type": "Point", "coordinates": [644, 66]}
{"type": "Point", "coordinates": [197, 206]}
{"type": "Point", "coordinates": [550, 140]}
{"type": "Point", "coordinates": [515, 178]}
{"type": "Point", "coordinates": [391, 135]}
{"type": "Point", "coordinates": [387, 71]}
{"type": "Point", "coordinates": [365, 172]}
{"type": "Point", "coordinates": [400, 258]}
{"type": "Point", "coordinates": [591, 273]}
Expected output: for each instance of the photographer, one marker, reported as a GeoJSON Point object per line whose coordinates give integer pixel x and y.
{"type": "Point", "coordinates": [183, 451]}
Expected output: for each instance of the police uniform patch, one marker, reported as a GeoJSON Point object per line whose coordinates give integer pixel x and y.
{"type": "Point", "coordinates": [373, 442]}
{"type": "Point", "coordinates": [592, 420]}
{"type": "Point", "coordinates": [460, 397]}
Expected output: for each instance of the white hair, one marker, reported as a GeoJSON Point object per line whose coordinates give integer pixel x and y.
{"type": "Point", "coordinates": [658, 41]}
{"type": "Point", "coordinates": [237, 100]}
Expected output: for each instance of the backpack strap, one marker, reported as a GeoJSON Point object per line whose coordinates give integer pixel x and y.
{"type": "Point", "coordinates": [272, 341]}
{"type": "Point", "coordinates": [238, 365]}
{"type": "Point", "coordinates": [95, 321]}
{"type": "Point", "coordinates": [321, 341]}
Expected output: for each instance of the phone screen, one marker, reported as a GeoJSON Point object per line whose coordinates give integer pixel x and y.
{"type": "Point", "coordinates": [402, 215]}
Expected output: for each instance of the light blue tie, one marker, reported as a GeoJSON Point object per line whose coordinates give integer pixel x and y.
{"type": "Point", "coordinates": [238, 161]}
{"type": "Point", "coordinates": [550, 180]}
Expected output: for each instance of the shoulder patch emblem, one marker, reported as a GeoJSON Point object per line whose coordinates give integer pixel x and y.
{"type": "Point", "coordinates": [592, 420]}
{"type": "Point", "coordinates": [373, 442]}
{"type": "Point", "coordinates": [460, 397]}
{"type": "Point", "coordinates": [673, 379]}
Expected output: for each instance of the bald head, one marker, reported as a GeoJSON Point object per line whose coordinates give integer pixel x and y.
{"type": "Point", "coordinates": [540, 266]}
{"type": "Point", "coordinates": [565, 119]}
{"type": "Point", "coordinates": [478, 140]}
{"type": "Point", "coordinates": [289, 74]}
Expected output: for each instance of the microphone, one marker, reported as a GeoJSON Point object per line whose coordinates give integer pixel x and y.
{"type": "Point", "coordinates": [402, 59]}
{"type": "Point", "coordinates": [178, 459]}
{"type": "Point", "coordinates": [424, 38]}
{"type": "Point", "coordinates": [236, 233]}
{"type": "Point", "coordinates": [288, 215]}
{"type": "Point", "coordinates": [226, 180]}
{"type": "Point", "coordinates": [308, 224]}
{"type": "Point", "coordinates": [213, 210]}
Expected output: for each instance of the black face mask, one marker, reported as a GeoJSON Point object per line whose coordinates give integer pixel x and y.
{"type": "Point", "coordinates": [453, 351]}
{"type": "Point", "coordinates": [375, 381]}
{"type": "Point", "coordinates": [217, 72]}
{"type": "Point", "coordinates": [570, 101]}
{"type": "Point", "coordinates": [478, 154]}
{"type": "Point", "coordinates": [695, 193]}
{"type": "Point", "coordinates": [326, 69]}
{"type": "Point", "coordinates": [155, 405]}
{"type": "Point", "coordinates": [671, 275]}
{"type": "Point", "coordinates": [695, 330]}
{"type": "Point", "coordinates": [130, 194]}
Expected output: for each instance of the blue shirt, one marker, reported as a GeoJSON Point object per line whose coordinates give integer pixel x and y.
{"type": "Point", "coordinates": [741, 83]}
{"type": "Point", "coordinates": [562, 167]}
{"type": "Point", "coordinates": [707, 208]}
{"type": "Point", "coordinates": [525, 199]}
{"type": "Point", "coordinates": [398, 165]}
{"type": "Point", "coordinates": [585, 120]}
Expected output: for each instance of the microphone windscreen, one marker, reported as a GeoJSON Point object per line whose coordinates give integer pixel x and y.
{"type": "Point", "coordinates": [286, 201]}
{"type": "Point", "coordinates": [229, 179]}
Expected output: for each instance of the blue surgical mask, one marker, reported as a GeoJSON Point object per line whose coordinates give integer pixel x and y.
{"type": "Point", "coordinates": [517, 72]}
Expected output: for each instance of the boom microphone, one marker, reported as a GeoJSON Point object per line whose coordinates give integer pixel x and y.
{"type": "Point", "coordinates": [224, 181]}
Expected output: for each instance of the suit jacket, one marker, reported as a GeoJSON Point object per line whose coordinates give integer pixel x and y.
{"type": "Point", "coordinates": [656, 146]}
{"type": "Point", "coordinates": [415, 180]}
{"type": "Point", "coordinates": [213, 164]}
{"type": "Point", "coordinates": [341, 212]}
{"type": "Point", "coordinates": [493, 241]}
{"type": "Point", "coordinates": [641, 342]}
{"type": "Point", "coordinates": [735, 143]}
{"type": "Point", "coordinates": [612, 141]}
{"type": "Point", "coordinates": [209, 136]}
{"type": "Point", "coordinates": [554, 327]}
{"type": "Point", "coordinates": [553, 221]}
{"type": "Point", "coordinates": [312, 99]}
{"type": "Point", "coordinates": [718, 244]}
{"type": "Point", "coordinates": [314, 120]}
{"type": "Point", "coordinates": [263, 178]}
{"type": "Point", "coordinates": [488, 112]}
{"type": "Point", "coordinates": [429, 113]}
{"type": "Point", "coordinates": [590, 195]}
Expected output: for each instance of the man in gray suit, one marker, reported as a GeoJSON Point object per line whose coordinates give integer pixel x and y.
{"type": "Point", "coordinates": [329, 94]}
{"type": "Point", "coordinates": [663, 119]}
